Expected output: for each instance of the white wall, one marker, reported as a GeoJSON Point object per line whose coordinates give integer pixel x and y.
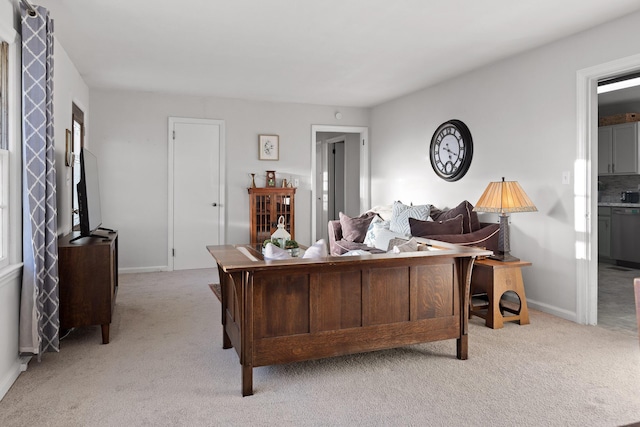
{"type": "Point", "coordinates": [129, 137]}
{"type": "Point", "coordinates": [522, 115]}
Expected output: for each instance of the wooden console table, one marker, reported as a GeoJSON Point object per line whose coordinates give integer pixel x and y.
{"type": "Point", "coordinates": [284, 311]}
{"type": "Point", "coordinates": [494, 278]}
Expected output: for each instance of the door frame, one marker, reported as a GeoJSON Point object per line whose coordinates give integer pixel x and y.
{"type": "Point", "coordinates": [365, 176]}
{"type": "Point", "coordinates": [585, 186]}
{"type": "Point", "coordinates": [222, 180]}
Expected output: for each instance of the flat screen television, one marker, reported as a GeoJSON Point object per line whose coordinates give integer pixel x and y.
{"type": "Point", "coordinates": [88, 190]}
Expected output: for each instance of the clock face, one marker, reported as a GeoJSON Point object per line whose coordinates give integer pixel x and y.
{"type": "Point", "coordinates": [451, 150]}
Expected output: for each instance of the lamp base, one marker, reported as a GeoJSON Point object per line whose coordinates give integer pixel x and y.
{"type": "Point", "coordinates": [503, 257]}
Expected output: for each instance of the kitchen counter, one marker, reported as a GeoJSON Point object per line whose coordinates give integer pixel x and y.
{"type": "Point", "coordinates": [619, 204]}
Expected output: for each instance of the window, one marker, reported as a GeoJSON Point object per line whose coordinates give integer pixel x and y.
{"type": "Point", "coordinates": [4, 153]}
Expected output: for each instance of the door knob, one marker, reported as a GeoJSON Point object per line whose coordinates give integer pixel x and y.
{"type": "Point", "coordinates": [214, 204]}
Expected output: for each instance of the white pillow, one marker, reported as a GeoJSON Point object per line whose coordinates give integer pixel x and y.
{"type": "Point", "coordinates": [356, 252]}
{"type": "Point", "coordinates": [317, 250]}
{"type": "Point", "coordinates": [374, 229]}
{"type": "Point", "coordinates": [385, 211]}
{"type": "Point", "coordinates": [401, 214]}
{"type": "Point", "coordinates": [271, 251]}
{"type": "Point", "coordinates": [384, 236]}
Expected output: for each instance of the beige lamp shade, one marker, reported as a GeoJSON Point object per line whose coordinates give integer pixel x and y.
{"type": "Point", "coordinates": [504, 197]}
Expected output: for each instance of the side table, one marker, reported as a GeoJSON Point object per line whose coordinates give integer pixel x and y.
{"type": "Point", "coordinates": [491, 279]}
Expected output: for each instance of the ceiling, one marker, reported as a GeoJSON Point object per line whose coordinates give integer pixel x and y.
{"type": "Point", "coordinates": [356, 53]}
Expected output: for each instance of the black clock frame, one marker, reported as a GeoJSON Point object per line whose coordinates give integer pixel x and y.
{"type": "Point", "coordinates": [468, 149]}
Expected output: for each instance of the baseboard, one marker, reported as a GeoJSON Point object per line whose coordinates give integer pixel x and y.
{"type": "Point", "coordinates": [551, 309]}
{"type": "Point", "coordinates": [10, 376]}
{"type": "Point", "coordinates": [143, 269]}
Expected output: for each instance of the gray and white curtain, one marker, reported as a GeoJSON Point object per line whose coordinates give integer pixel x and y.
{"type": "Point", "coordinates": [39, 314]}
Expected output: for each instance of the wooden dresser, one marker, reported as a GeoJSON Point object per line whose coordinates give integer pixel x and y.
{"type": "Point", "coordinates": [88, 270]}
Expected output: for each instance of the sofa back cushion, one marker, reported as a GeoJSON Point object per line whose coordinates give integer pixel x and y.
{"type": "Point", "coordinates": [430, 228]}
{"type": "Point", "coordinates": [400, 216]}
{"type": "Point", "coordinates": [470, 221]}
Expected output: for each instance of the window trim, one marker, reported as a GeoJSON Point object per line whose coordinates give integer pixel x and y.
{"type": "Point", "coordinates": [4, 208]}
{"type": "Point", "coordinates": [4, 154]}
{"type": "Point", "coordinates": [12, 238]}
{"type": "Point", "coordinates": [4, 95]}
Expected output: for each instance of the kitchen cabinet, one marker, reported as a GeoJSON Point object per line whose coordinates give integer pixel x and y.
{"type": "Point", "coordinates": [618, 149]}
{"type": "Point", "coordinates": [604, 232]}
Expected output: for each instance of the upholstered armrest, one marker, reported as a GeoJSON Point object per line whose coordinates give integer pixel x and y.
{"type": "Point", "coordinates": [335, 235]}
{"type": "Point", "coordinates": [486, 237]}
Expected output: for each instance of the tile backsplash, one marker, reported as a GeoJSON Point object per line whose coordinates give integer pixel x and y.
{"type": "Point", "coordinates": [610, 186]}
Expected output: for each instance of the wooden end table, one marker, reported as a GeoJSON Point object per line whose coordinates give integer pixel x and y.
{"type": "Point", "coordinates": [491, 278]}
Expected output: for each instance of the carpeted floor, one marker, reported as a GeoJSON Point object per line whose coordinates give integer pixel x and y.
{"type": "Point", "coordinates": [165, 366]}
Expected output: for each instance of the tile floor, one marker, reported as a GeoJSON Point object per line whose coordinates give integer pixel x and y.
{"type": "Point", "coordinates": [616, 303]}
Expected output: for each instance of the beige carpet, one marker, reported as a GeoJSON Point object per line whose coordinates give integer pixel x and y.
{"type": "Point", "coordinates": [165, 366]}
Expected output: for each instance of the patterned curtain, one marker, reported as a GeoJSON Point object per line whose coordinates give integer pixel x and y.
{"type": "Point", "coordinates": [39, 315]}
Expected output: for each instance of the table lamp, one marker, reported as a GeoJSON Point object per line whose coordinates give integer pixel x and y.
{"type": "Point", "coordinates": [504, 197]}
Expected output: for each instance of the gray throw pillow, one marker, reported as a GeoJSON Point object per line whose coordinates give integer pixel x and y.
{"type": "Point", "coordinates": [355, 229]}
{"type": "Point", "coordinates": [401, 245]}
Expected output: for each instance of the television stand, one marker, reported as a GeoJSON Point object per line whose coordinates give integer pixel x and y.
{"type": "Point", "coordinates": [88, 285]}
{"type": "Point", "coordinates": [110, 230]}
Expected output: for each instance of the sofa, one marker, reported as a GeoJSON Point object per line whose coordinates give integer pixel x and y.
{"type": "Point", "coordinates": [383, 228]}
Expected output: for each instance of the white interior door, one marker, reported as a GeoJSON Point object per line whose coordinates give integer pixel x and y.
{"type": "Point", "coordinates": [197, 195]}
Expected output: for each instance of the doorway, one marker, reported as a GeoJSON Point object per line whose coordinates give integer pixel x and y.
{"type": "Point", "coordinates": [616, 305]}
{"type": "Point", "coordinates": [339, 176]}
{"type": "Point", "coordinates": [196, 191]}
{"type": "Point", "coordinates": [585, 190]}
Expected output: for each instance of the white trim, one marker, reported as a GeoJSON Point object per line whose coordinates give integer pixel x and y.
{"type": "Point", "coordinates": [365, 186]}
{"type": "Point", "coordinates": [7, 34]}
{"type": "Point", "coordinates": [222, 233]}
{"type": "Point", "coordinates": [9, 273]}
{"type": "Point", "coordinates": [5, 214]}
{"type": "Point", "coordinates": [14, 200]}
{"type": "Point", "coordinates": [584, 204]}
{"type": "Point", "coordinates": [10, 376]}
{"type": "Point", "coordinates": [153, 269]}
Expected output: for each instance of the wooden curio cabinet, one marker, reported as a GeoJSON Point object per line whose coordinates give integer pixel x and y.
{"type": "Point", "coordinates": [266, 205]}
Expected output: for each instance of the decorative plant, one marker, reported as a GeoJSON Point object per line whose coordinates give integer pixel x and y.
{"type": "Point", "coordinates": [289, 244]}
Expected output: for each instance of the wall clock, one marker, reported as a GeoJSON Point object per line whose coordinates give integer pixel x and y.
{"type": "Point", "coordinates": [451, 150]}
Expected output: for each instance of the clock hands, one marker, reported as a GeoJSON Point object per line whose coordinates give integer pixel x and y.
{"type": "Point", "coordinates": [448, 150]}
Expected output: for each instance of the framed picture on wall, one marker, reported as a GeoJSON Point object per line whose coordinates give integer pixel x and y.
{"type": "Point", "coordinates": [268, 147]}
